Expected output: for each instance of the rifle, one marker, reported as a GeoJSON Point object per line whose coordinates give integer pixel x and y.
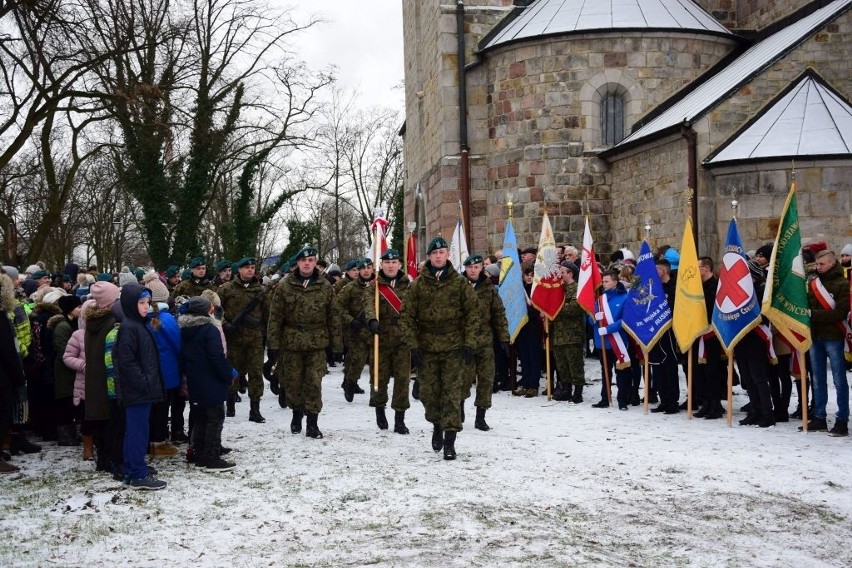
{"type": "Point", "coordinates": [253, 322]}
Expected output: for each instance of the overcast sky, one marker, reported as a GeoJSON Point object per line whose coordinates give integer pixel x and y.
{"type": "Point", "coordinates": [363, 38]}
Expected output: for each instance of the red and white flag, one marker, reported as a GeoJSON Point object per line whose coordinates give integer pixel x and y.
{"type": "Point", "coordinates": [590, 275]}
{"type": "Point", "coordinates": [378, 230]}
{"type": "Point", "coordinates": [411, 256]}
{"type": "Point", "coordinates": [548, 293]}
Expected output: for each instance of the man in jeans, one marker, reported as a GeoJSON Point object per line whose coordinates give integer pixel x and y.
{"type": "Point", "coordinates": [828, 301]}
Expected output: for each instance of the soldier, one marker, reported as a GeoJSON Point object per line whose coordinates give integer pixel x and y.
{"type": "Point", "coordinates": [439, 323]}
{"type": "Point", "coordinates": [350, 303]}
{"type": "Point", "coordinates": [303, 320]}
{"type": "Point", "coordinates": [224, 273]}
{"type": "Point", "coordinates": [568, 337]}
{"type": "Point", "coordinates": [197, 281]}
{"type": "Point", "coordinates": [350, 273]}
{"type": "Point", "coordinates": [246, 311]}
{"type": "Point", "coordinates": [491, 321]}
{"type": "Point", "coordinates": [394, 358]}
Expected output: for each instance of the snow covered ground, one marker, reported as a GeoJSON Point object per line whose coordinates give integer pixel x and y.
{"type": "Point", "coordinates": [553, 484]}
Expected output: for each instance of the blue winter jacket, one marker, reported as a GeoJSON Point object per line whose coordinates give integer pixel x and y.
{"type": "Point", "coordinates": [168, 345]}
{"type": "Point", "coordinates": [135, 358]}
{"type": "Point", "coordinates": [615, 298]}
{"type": "Point", "coordinates": [208, 373]}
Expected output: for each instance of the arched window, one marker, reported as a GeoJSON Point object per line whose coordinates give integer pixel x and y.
{"type": "Point", "coordinates": [612, 119]}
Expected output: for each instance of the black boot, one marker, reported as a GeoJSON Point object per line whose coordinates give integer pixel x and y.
{"type": "Point", "coordinates": [349, 391]}
{"type": "Point", "coordinates": [449, 445]}
{"type": "Point", "coordinates": [399, 422]}
{"type": "Point", "coordinates": [254, 412]}
{"type": "Point", "coordinates": [358, 390]}
{"type": "Point", "coordinates": [312, 430]}
{"type": "Point", "coordinates": [381, 419]}
{"type": "Point", "coordinates": [415, 389]}
{"type": "Point", "coordinates": [274, 387]}
{"type": "Point", "coordinates": [230, 406]}
{"type": "Point", "coordinates": [437, 438]}
{"type": "Point", "coordinates": [296, 422]}
{"type": "Point", "coordinates": [479, 423]}
{"type": "Point", "coordinates": [282, 399]}
{"type": "Point", "coordinates": [577, 398]}
{"type": "Point", "coordinates": [20, 445]}
{"type": "Point", "coordinates": [243, 384]}
{"type": "Point", "coordinates": [461, 411]}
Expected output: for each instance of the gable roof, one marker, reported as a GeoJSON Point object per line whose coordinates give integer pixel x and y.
{"type": "Point", "coordinates": [717, 88]}
{"type": "Point", "coordinates": [552, 17]}
{"type": "Point", "coordinates": [808, 119]}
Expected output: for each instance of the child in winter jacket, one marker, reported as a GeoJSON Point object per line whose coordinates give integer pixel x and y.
{"type": "Point", "coordinates": [208, 375]}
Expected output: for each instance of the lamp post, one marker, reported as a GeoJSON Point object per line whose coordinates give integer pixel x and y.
{"type": "Point", "coordinates": [116, 225]}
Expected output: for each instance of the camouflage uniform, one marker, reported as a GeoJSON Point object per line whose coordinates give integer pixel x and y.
{"type": "Point", "coordinates": [192, 287]}
{"type": "Point", "coordinates": [303, 321]}
{"type": "Point", "coordinates": [338, 286]}
{"type": "Point", "coordinates": [440, 318]}
{"type": "Point", "coordinates": [245, 337]}
{"type": "Point", "coordinates": [359, 344]}
{"type": "Point", "coordinates": [568, 338]}
{"type": "Point", "coordinates": [491, 320]}
{"type": "Point", "coordinates": [394, 358]}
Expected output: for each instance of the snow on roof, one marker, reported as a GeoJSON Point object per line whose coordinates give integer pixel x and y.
{"type": "Point", "coordinates": [547, 17]}
{"type": "Point", "coordinates": [809, 119]}
{"type": "Point", "coordinates": [741, 70]}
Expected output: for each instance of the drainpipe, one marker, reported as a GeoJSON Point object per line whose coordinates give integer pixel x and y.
{"type": "Point", "coordinates": [464, 150]}
{"type": "Point", "coordinates": [692, 174]}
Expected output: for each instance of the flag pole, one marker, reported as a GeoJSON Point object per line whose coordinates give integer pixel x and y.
{"type": "Point", "coordinates": [804, 379]}
{"type": "Point", "coordinates": [377, 261]}
{"type": "Point", "coordinates": [689, 386]}
{"type": "Point", "coordinates": [547, 356]}
{"type": "Point", "coordinates": [730, 415]}
{"type": "Point", "coordinates": [647, 372]}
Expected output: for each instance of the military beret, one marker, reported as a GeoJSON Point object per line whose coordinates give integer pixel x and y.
{"type": "Point", "coordinates": [350, 265]}
{"type": "Point", "coordinates": [186, 274]}
{"type": "Point", "coordinates": [139, 273]}
{"type": "Point", "coordinates": [306, 252]}
{"type": "Point", "coordinates": [223, 265]}
{"type": "Point", "coordinates": [390, 254]}
{"type": "Point", "coordinates": [39, 274]}
{"type": "Point", "coordinates": [197, 261]}
{"type": "Point", "coordinates": [437, 243]}
{"type": "Point", "coordinates": [66, 278]}
{"type": "Point", "coordinates": [172, 270]}
{"type": "Point", "coordinates": [473, 259]}
{"type": "Point", "coordinates": [104, 277]}
{"type": "Point", "coordinates": [364, 262]}
{"type": "Point", "coordinates": [245, 261]}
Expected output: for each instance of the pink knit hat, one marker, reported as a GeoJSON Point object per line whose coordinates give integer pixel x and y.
{"type": "Point", "coordinates": [104, 293]}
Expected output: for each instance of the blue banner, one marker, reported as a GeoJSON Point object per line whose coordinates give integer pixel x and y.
{"type": "Point", "coordinates": [735, 308]}
{"type": "Point", "coordinates": [647, 314]}
{"type": "Point", "coordinates": [511, 287]}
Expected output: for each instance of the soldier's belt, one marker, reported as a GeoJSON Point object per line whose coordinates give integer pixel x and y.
{"type": "Point", "coordinates": [435, 327]}
{"type": "Point", "coordinates": [306, 326]}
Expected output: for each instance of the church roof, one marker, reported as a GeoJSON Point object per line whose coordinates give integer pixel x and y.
{"type": "Point", "coordinates": [551, 17]}
{"type": "Point", "coordinates": [730, 78]}
{"type": "Point", "coordinates": [809, 119]}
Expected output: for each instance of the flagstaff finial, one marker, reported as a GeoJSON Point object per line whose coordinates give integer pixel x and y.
{"type": "Point", "coordinates": [412, 226]}
{"type": "Point", "coordinates": [647, 228]}
{"type": "Point", "coordinates": [510, 197]}
{"type": "Point", "coordinates": [734, 203]}
{"type": "Point", "coordinates": [793, 170]}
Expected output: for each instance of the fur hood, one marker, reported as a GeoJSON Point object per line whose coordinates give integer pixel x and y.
{"type": "Point", "coordinates": [94, 312]}
{"type": "Point", "coordinates": [189, 320]}
{"type": "Point", "coordinates": [7, 293]}
{"type": "Point", "coordinates": [50, 308]}
{"type": "Point", "coordinates": [54, 321]}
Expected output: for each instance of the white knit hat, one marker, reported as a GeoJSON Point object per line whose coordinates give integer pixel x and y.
{"type": "Point", "coordinates": [847, 249]}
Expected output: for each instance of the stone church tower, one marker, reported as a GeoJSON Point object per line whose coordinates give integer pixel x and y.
{"type": "Point", "coordinates": [570, 109]}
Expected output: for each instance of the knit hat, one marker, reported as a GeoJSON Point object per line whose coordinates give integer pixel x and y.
{"type": "Point", "coordinates": [212, 297]}
{"type": "Point", "coordinates": [11, 272]}
{"type": "Point", "coordinates": [125, 277]}
{"type": "Point", "coordinates": [333, 267]}
{"type": "Point", "coordinates": [67, 303]}
{"type": "Point", "coordinates": [673, 257]}
{"type": "Point", "coordinates": [437, 243]}
{"type": "Point", "coordinates": [846, 250]}
{"type": "Point", "coordinates": [159, 292]}
{"type": "Point", "coordinates": [628, 255]}
{"type": "Point", "coordinates": [32, 269]}
{"type": "Point", "coordinates": [766, 251]}
{"type": "Point", "coordinates": [195, 306]}
{"type": "Point", "coordinates": [493, 270]}
{"type": "Point", "coordinates": [50, 297]}
{"type": "Point", "coordinates": [104, 293]}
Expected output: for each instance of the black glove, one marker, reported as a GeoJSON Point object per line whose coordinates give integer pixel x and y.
{"type": "Point", "coordinates": [416, 358]}
{"type": "Point", "coordinates": [373, 326]}
{"type": "Point", "coordinates": [467, 355]}
{"type": "Point", "coordinates": [356, 326]}
{"type": "Point", "coordinates": [505, 348]}
{"type": "Point", "coordinates": [272, 355]}
{"type": "Point", "coordinates": [268, 370]}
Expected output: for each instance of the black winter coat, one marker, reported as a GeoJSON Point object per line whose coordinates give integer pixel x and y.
{"type": "Point", "coordinates": [135, 356]}
{"type": "Point", "coordinates": [205, 365]}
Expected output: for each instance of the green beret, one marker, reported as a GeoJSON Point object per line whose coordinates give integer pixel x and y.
{"type": "Point", "coordinates": [365, 262]}
{"type": "Point", "coordinates": [391, 254]}
{"type": "Point", "coordinates": [38, 274]}
{"type": "Point", "coordinates": [223, 265]}
{"type": "Point", "coordinates": [306, 252]}
{"type": "Point", "coordinates": [197, 261]}
{"type": "Point", "coordinates": [66, 278]}
{"type": "Point", "coordinates": [172, 270]}
{"type": "Point", "coordinates": [245, 261]}
{"type": "Point", "coordinates": [234, 267]}
{"type": "Point", "coordinates": [104, 277]}
{"type": "Point", "coordinates": [473, 259]}
{"type": "Point", "coordinates": [350, 265]}
{"type": "Point", "coordinates": [138, 273]}
{"type": "Point", "coordinates": [437, 243]}
{"type": "Point", "coordinates": [186, 274]}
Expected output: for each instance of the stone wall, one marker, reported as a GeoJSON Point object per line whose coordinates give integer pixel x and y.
{"type": "Point", "coordinates": [544, 127]}
{"type": "Point", "coordinates": [757, 14]}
